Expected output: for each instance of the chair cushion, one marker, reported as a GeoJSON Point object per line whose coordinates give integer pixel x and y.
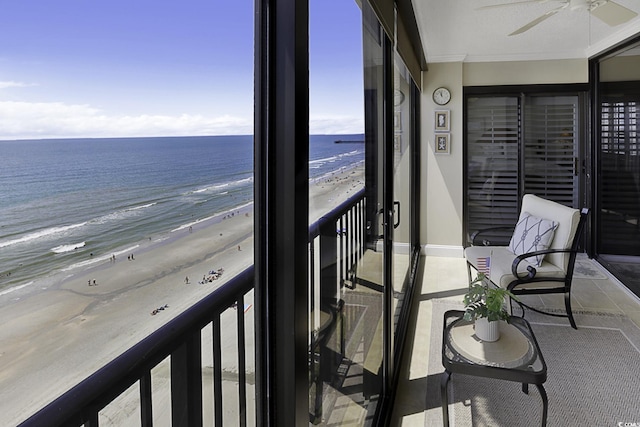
{"type": "Point", "coordinates": [567, 219]}
{"type": "Point", "coordinates": [500, 265]}
{"type": "Point", "coordinates": [532, 234]}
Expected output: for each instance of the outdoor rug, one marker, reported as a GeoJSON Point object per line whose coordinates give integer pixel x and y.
{"type": "Point", "coordinates": [593, 377]}
{"type": "Point", "coordinates": [586, 269]}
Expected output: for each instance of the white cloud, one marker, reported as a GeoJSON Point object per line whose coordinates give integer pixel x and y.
{"type": "Point", "coordinates": [8, 84]}
{"type": "Point", "coordinates": [25, 120]}
{"type": "Point", "coordinates": [28, 120]}
{"type": "Point", "coordinates": [336, 125]}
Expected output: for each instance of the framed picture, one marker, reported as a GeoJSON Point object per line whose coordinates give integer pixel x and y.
{"type": "Point", "coordinates": [397, 121]}
{"type": "Point", "coordinates": [442, 143]}
{"type": "Point", "coordinates": [397, 142]}
{"type": "Point", "coordinates": [442, 121]}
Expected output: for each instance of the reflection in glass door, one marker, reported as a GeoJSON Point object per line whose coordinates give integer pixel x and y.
{"type": "Point", "coordinates": [401, 226]}
{"type": "Point", "coordinates": [345, 296]}
{"type": "Point", "coordinates": [618, 228]}
{"type": "Point", "coordinates": [360, 251]}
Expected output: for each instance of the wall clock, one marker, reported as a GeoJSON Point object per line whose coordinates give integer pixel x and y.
{"type": "Point", "coordinates": [441, 96]}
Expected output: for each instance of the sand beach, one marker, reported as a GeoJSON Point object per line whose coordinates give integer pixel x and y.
{"type": "Point", "coordinates": [67, 327]}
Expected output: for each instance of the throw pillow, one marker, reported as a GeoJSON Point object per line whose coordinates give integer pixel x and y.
{"type": "Point", "coordinates": [532, 234]}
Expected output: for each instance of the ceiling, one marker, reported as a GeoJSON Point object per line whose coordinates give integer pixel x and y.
{"type": "Point", "coordinates": [457, 31]}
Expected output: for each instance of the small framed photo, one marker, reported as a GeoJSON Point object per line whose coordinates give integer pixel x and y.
{"type": "Point", "coordinates": [397, 121]}
{"type": "Point", "coordinates": [442, 121]}
{"type": "Point", "coordinates": [442, 143]}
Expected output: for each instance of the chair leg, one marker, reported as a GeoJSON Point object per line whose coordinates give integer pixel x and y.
{"type": "Point", "coordinates": [567, 304]}
{"type": "Point", "coordinates": [469, 271]}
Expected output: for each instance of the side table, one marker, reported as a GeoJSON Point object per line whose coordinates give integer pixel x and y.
{"type": "Point", "coordinates": [516, 356]}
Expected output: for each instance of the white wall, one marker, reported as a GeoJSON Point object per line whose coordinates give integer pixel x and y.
{"type": "Point", "coordinates": [441, 176]}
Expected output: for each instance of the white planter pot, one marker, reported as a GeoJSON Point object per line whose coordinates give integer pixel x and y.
{"type": "Point", "coordinates": [487, 331]}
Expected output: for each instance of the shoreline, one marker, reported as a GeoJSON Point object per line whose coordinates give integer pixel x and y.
{"type": "Point", "coordinates": [7, 295]}
{"type": "Point", "coordinates": [54, 336]}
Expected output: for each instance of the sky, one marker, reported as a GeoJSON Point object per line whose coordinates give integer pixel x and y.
{"type": "Point", "coordinates": [111, 68]}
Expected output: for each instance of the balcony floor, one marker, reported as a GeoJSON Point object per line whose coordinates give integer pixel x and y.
{"type": "Point", "coordinates": [447, 278]}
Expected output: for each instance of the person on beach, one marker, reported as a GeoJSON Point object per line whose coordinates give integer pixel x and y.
{"type": "Point", "coordinates": [186, 280]}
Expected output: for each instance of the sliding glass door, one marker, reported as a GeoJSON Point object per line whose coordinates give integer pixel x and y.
{"type": "Point", "coordinates": [400, 167]}
{"type": "Point", "coordinates": [492, 163]}
{"type": "Point", "coordinates": [552, 159]}
{"type": "Point", "coordinates": [617, 145]}
{"type": "Point", "coordinates": [362, 239]}
{"type": "Point", "coordinates": [521, 144]}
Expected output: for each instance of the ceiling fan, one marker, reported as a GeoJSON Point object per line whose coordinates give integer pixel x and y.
{"type": "Point", "coordinates": [607, 11]}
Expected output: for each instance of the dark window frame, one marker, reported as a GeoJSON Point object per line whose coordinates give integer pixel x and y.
{"type": "Point", "coordinates": [281, 213]}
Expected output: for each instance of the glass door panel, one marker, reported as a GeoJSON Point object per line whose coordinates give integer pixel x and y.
{"type": "Point", "coordinates": [551, 157]}
{"type": "Point", "coordinates": [402, 137]}
{"type": "Point", "coordinates": [492, 165]}
{"type": "Point", "coordinates": [345, 297]}
{"type": "Point", "coordinates": [618, 190]}
{"type": "Point", "coordinates": [512, 151]}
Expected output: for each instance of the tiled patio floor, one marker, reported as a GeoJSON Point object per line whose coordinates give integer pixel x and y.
{"type": "Point", "coordinates": [447, 278]}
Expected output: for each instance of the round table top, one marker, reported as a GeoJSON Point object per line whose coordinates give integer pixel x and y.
{"type": "Point", "coordinates": [511, 350]}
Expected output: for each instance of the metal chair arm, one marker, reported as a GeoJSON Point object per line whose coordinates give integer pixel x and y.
{"type": "Point", "coordinates": [531, 269]}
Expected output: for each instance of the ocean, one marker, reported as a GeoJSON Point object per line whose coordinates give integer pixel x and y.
{"type": "Point", "coordinates": [70, 203]}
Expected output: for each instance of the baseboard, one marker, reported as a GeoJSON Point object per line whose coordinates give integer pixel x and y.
{"type": "Point", "coordinates": [398, 248]}
{"type": "Point", "coordinates": [429, 250]}
{"type": "Point", "coordinates": [443, 251]}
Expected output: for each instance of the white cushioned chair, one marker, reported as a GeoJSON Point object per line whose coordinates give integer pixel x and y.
{"type": "Point", "coordinates": [541, 255]}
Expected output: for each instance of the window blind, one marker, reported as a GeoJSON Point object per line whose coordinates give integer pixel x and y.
{"type": "Point", "coordinates": [551, 165]}
{"type": "Point", "coordinates": [620, 178]}
{"type": "Point", "coordinates": [514, 150]}
{"type": "Point", "coordinates": [492, 164]}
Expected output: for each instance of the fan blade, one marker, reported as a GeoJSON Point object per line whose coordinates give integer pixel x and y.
{"type": "Point", "coordinates": [494, 6]}
{"type": "Point", "coordinates": [613, 14]}
{"type": "Point", "coordinates": [536, 21]}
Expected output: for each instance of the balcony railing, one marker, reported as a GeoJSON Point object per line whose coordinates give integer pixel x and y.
{"type": "Point", "coordinates": [339, 238]}
{"type": "Point", "coordinates": [181, 340]}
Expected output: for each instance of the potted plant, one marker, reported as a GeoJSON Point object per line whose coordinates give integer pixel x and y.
{"type": "Point", "coordinates": [484, 304]}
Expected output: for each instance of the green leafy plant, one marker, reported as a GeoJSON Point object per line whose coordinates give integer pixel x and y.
{"type": "Point", "coordinates": [485, 300]}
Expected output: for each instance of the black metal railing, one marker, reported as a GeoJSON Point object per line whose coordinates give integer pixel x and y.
{"type": "Point", "coordinates": [180, 340]}
{"type": "Point", "coordinates": [340, 238]}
